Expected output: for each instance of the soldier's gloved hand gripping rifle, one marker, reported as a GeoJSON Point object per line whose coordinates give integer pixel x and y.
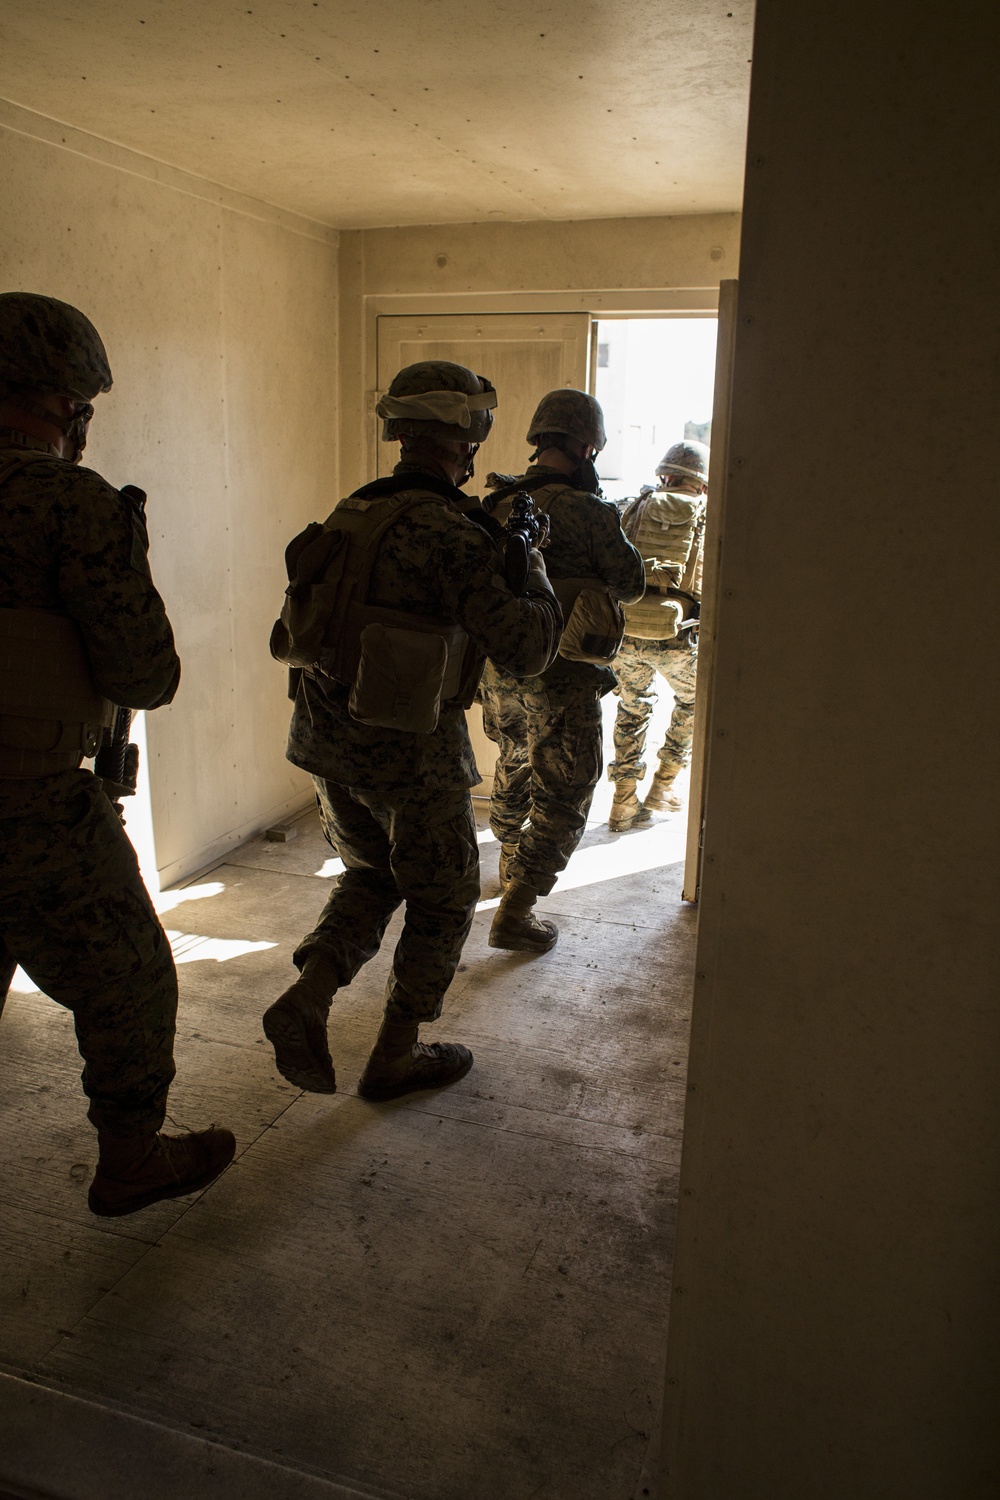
{"type": "Point", "coordinates": [117, 761]}
{"type": "Point", "coordinates": [524, 529]}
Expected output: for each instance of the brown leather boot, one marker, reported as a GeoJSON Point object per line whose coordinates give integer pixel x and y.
{"type": "Point", "coordinates": [626, 809]}
{"type": "Point", "coordinates": [295, 1025]}
{"type": "Point", "coordinates": [399, 1063]}
{"type": "Point", "coordinates": [516, 927]}
{"type": "Point", "coordinates": [507, 852]}
{"type": "Point", "coordinates": [660, 798]}
{"type": "Point", "coordinates": [135, 1171]}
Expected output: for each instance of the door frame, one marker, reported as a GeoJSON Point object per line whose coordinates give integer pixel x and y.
{"type": "Point", "coordinates": [645, 302]}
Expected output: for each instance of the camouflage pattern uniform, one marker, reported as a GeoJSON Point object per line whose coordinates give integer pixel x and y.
{"type": "Point", "coordinates": [636, 665]}
{"type": "Point", "coordinates": [675, 658]}
{"type": "Point", "coordinates": [396, 805]}
{"type": "Point", "coordinates": [549, 728]}
{"type": "Point", "coordinates": [73, 909]}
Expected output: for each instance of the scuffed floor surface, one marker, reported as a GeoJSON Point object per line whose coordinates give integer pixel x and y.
{"type": "Point", "coordinates": [457, 1296]}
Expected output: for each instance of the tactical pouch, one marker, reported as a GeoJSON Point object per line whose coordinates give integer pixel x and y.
{"type": "Point", "coordinates": [656, 617]}
{"type": "Point", "coordinates": [595, 623]}
{"type": "Point", "coordinates": [315, 560]}
{"type": "Point", "coordinates": [400, 680]}
{"type": "Point", "coordinates": [668, 530]}
{"type": "Point", "coordinates": [51, 714]}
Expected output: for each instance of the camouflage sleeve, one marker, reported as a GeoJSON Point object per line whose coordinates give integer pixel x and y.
{"type": "Point", "coordinates": [105, 584]}
{"type": "Point", "coordinates": [615, 558]}
{"type": "Point", "coordinates": [518, 632]}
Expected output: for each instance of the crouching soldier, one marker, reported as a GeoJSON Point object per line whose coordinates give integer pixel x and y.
{"type": "Point", "coordinates": [394, 604]}
{"type": "Point", "coordinates": [82, 628]}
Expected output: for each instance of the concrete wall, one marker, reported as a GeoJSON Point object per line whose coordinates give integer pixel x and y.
{"type": "Point", "coordinates": [513, 268]}
{"type": "Point", "coordinates": [834, 1321]}
{"type": "Point", "coordinates": [220, 318]}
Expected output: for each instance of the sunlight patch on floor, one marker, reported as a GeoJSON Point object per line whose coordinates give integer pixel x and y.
{"type": "Point", "coordinates": [629, 853]}
{"type": "Point", "coordinates": [189, 947]}
{"type": "Point", "coordinates": [167, 900]}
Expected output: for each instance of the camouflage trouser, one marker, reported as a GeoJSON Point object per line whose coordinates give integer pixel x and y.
{"type": "Point", "coordinates": [75, 914]}
{"type": "Point", "coordinates": [636, 665]}
{"type": "Point", "coordinates": [398, 845]}
{"type": "Point", "coordinates": [550, 761]}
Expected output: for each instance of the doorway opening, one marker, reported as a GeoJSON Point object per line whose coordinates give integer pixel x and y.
{"type": "Point", "coordinates": [655, 379]}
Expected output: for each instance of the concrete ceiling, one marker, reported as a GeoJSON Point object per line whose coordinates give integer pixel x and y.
{"type": "Point", "coordinates": [408, 111]}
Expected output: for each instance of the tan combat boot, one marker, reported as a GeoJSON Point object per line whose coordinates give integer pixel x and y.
{"type": "Point", "coordinates": [507, 852]}
{"type": "Point", "coordinates": [626, 809]}
{"type": "Point", "coordinates": [295, 1025]}
{"type": "Point", "coordinates": [660, 798]}
{"type": "Point", "coordinates": [516, 927]}
{"type": "Point", "coordinates": [135, 1171]}
{"type": "Point", "coordinates": [399, 1063]}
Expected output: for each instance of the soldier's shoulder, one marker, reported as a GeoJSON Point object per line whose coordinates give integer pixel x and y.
{"type": "Point", "coordinates": [49, 476]}
{"type": "Point", "coordinates": [674, 507]}
{"type": "Point", "coordinates": [585, 503]}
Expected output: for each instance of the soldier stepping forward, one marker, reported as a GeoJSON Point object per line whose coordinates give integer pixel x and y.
{"type": "Point", "coordinates": [388, 654]}
{"type": "Point", "coordinates": [82, 629]}
{"type": "Point", "coordinates": [661, 633]}
{"type": "Point", "coordinates": [548, 728]}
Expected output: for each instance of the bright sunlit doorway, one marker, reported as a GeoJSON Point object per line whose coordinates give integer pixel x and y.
{"type": "Point", "coordinates": [655, 379]}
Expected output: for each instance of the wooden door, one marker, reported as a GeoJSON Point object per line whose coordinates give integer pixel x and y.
{"type": "Point", "coordinates": [523, 354]}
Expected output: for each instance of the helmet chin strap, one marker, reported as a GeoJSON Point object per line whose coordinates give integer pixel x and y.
{"type": "Point", "coordinates": [73, 428]}
{"type": "Point", "coordinates": [411, 448]}
{"type": "Point", "coordinates": [470, 466]}
{"type": "Point", "coordinates": [584, 476]}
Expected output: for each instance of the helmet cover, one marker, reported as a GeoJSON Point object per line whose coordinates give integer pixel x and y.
{"type": "Point", "coordinates": [435, 398]}
{"type": "Point", "coordinates": [50, 346]}
{"type": "Point", "coordinates": [688, 459]}
{"type": "Point", "coordinates": [571, 412]}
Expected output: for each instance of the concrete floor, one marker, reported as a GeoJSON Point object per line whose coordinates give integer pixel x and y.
{"type": "Point", "coordinates": [456, 1296]}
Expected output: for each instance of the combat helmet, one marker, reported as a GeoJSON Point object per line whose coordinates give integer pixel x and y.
{"type": "Point", "coordinates": [688, 459]}
{"type": "Point", "coordinates": [573, 414]}
{"type": "Point", "coordinates": [436, 398]}
{"type": "Point", "coordinates": [47, 345]}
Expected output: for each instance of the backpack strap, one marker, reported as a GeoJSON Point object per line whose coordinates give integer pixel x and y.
{"type": "Point", "coordinates": [527, 484]}
{"type": "Point", "coordinates": [394, 484]}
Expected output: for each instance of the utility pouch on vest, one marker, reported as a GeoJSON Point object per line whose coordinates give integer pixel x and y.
{"type": "Point", "coordinates": [668, 529]}
{"type": "Point", "coordinates": [656, 617]}
{"type": "Point", "coordinates": [325, 622]}
{"type": "Point", "coordinates": [51, 715]}
{"type": "Point", "coordinates": [400, 680]}
{"type": "Point", "coordinates": [595, 623]}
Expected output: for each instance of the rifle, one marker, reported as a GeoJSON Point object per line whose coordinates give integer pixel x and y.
{"type": "Point", "coordinates": [117, 761]}
{"type": "Point", "coordinates": [525, 528]}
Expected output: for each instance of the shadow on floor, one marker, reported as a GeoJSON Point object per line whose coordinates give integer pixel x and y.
{"type": "Point", "coordinates": [458, 1296]}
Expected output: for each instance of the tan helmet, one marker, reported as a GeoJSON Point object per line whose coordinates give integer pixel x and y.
{"type": "Point", "coordinates": [689, 459]}
{"type": "Point", "coordinates": [573, 414]}
{"type": "Point", "coordinates": [436, 398]}
{"type": "Point", "coordinates": [47, 345]}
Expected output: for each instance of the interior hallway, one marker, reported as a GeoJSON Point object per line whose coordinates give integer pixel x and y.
{"type": "Point", "coordinates": [460, 1294]}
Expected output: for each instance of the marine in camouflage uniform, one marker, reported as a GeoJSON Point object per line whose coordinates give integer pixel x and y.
{"type": "Point", "coordinates": [396, 804]}
{"type": "Point", "coordinates": [668, 525]}
{"type": "Point", "coordinates": [73, 909]}
{"type": "Point", "coordinates": [549, 728]}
